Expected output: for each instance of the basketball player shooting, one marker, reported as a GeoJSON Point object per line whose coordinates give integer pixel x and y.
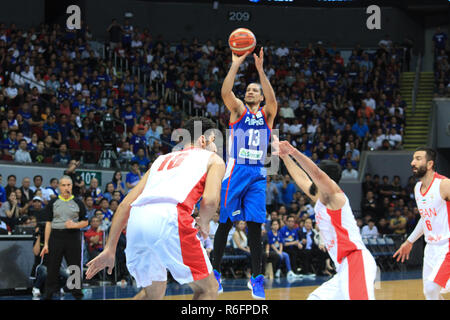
{"type": "Point", "coordinates": [243, 189]}
{"type": "Point", "coordinates": [157, 213]}
{"type": "Point", "coordinates": [355, 266]}
{"type": "Point", "coordinates": [432, 194]}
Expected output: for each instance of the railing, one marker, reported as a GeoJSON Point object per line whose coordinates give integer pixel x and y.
{"type": "Point", "coordinates": [416, 83]}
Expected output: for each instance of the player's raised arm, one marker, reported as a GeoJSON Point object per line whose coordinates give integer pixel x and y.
{"type": "Point", "coordinates": [445, 189]}
{"type": "Point", "coordinates": [233, 104]}
{"type": "Point", "coordinates": [326, 186]}
{"type": "Point", "coordinates": [211, 194]}
{"type": "Point", "coordinates": [300, 177]}
{"type": "Point", "coordinates": [271, 106]}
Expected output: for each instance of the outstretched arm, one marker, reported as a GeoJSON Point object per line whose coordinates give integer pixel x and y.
{"type": "Point", "coordinates": [300, 177]}
{"type": "Point", "coordinates": [271, 106]}
{"type": "Point", "coordinates": [324, 183]}
{"type": "Point", "coordinates": [233, 104]}
{"type": "Point", "coordinates": [406, 247]}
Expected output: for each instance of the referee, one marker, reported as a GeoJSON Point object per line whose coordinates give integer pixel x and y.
{"type": "Point", "coordinates": [66, 215]}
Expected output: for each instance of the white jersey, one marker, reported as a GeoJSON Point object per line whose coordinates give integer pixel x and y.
{"type": "Point", "coordinates": [338, 230]}
{"type": "Point", "coordinates": [177, 178]}
{"type": "Point", "coordinates": [434, 211]}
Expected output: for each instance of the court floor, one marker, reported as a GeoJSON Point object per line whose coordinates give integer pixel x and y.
{"type": "Point", "coordinates": [392, 286]}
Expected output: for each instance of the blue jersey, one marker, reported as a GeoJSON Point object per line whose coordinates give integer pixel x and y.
{"type": "Point", "coordinates": [289, 235]}
{"type": "Point", "coordinates": [274, 239]}
{"type": "Point", "coordinates": [249, 138]}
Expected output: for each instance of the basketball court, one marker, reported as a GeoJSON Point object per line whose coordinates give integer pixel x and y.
{"type": "Point", "coordinates": [393, 286]}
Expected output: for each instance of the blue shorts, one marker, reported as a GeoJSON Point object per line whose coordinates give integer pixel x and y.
{"type": "Point", "coordinates": [243, 193]}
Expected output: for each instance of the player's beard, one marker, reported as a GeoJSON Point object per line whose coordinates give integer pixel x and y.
{"type": "Point", "coordinates": [421, 172]}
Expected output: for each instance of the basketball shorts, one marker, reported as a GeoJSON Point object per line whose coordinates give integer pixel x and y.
{"type": "Point", "coordinates": [354, 280]}
{"type": "Point", "coordinates": [436, 264]}
{"type": "Point", "coordinates": [243, 193]}
{"type": "Point", "coordinates": [162, 237]}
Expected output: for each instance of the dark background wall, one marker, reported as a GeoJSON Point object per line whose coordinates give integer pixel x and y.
{"type": "Point", "coordinates": [345, 26]}
{"type": "Point", "coordinates": [25, 13]}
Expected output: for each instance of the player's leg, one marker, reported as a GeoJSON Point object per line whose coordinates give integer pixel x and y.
{"type": "Point", "coordinates": [220, 242]}
{"type": "Point", "coordinates": [155, 291]}
{"type": "Point", "coordinates": [205, 289]}
{"type": "Point", "coordinates": [254, 207]}
{"type": "Point", "coordinates": [144, 236]}
{"type": "Point", "coordinates": [358, 273]}
{"type": "Point", "coordinates": [436, 271]}
{"type": "Point", "coordinates": [185, 257]}
{"type": "Point", "coordinates": [329, 290]}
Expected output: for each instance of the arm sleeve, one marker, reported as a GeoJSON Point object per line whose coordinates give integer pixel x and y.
{"type": "Point", "coordinates": [48, 211]}
{"type": "Point", "coordinates": [417, 233]}
{"type": "Point", "coordinates": [82, 213]}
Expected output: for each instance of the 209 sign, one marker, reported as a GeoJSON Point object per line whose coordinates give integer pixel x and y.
{"type": "Point", "coordinates": [239, 16]}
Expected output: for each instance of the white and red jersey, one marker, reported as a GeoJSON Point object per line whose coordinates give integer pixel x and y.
{"type": "Point", "coordinates": [434, 211]}
{"type": "Point", "coordinates": [338, 230]}
{"type": "Point", "coordinates": [178, 178]}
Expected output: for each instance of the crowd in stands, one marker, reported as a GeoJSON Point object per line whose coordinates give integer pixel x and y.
{"type": "Point", "coordinates": [56, 94]}
{"type": "Point", "coordinates": [441, 64]}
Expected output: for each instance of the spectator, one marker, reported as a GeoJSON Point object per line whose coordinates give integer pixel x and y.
{"type": "Point", "coordinates": [275, 244]}
{"type": "Point", "coordinates": [152, 135]}
{"type": "Point", "coordinates": [349, 172]}
{"type": "Point", "coordinates": [62, 157]}
{"type": "Point", "coordinates": [95, 191]}
{"type": "Point", "coordinates": [89, 204]}
{"type": "Point", "coordinates": [2, 191]}
{"type": "Point", "coordinates": [11, 186]}
{"type": "Point", "coordinates": [213, 225]}
{"type": "Point", "coordinates": [115, 34]}
{"type": "Point", "coordinates": [36, 209]}
{"type": "Point", "coordinates": [271, 195]}
{"type": "Point", "coordinates": [439, 40]}
{"type": "Point", "coordinates": [213, 107]}
{"type": "Point", "coordinates": [10, 211]}
{"type": "Point", "coordinates": [395, 139]}
{"type": "Point", "coordinates": [360, 128]}
{"type": "Point", "coordinates": [94, 238]}
{"type": "Point", "coordinates": [134, 176]}
{"type": "Point", "coordinates": [141, 159]}
{"type": "Point", "coordinates": [310, 249]}
{"type": "Point", "coordinates": [289, 188]}
{"type": "Point", "coordinates": [119, 185]}
{"type": "Point", "coordinates": [139, 140]}
{"type": "Point", "coordinates": [78, 182]}
{"type": "Point", "coordinates": [240, 244]}
{"type": "Point", "coordinates": [125, 153]}
{"type": "Point", "coordinates": [369, 205]}
{"type": "Point", "coordinates": [199, 100]}
{"type": "Point", "coordinates": [369, 230]}
{"type": "Point", "coordinates": [397, 225]}
{"type": "Point", "coordinates": [109, 189]}
{"type": "Point", "coordinates": [291, 242]}
{"type": "Point", "coordinates": [22, 155]}
{"type": "Point", "coordinates": [27, 193]}
{"type": "Point", "coordinates": [51, 192]}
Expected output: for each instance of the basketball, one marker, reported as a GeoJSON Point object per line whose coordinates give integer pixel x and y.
{"type": "Point", "coordinates": [242, 40]}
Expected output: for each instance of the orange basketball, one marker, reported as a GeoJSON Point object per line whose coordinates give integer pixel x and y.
{"type": "Point", "coordinates": [241, 41]}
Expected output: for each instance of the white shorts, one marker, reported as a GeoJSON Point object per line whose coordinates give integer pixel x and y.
{"type": "Point", "coordinates": [436, 264]}
{"type": "Point", "coordinates": [161, 237]}
{"type": "Point", "coordinates": [354, 280]}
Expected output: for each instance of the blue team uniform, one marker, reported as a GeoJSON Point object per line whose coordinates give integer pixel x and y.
{"type": "Point", "coordinates": [243, 193]}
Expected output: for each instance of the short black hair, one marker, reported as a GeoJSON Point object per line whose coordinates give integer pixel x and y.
{"type": "Point", "coordinates": [430, 154]}
{"type": "Point", "coordinates": [192, 123]}
{"type": "Point", "coordinates": [332, 169]}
